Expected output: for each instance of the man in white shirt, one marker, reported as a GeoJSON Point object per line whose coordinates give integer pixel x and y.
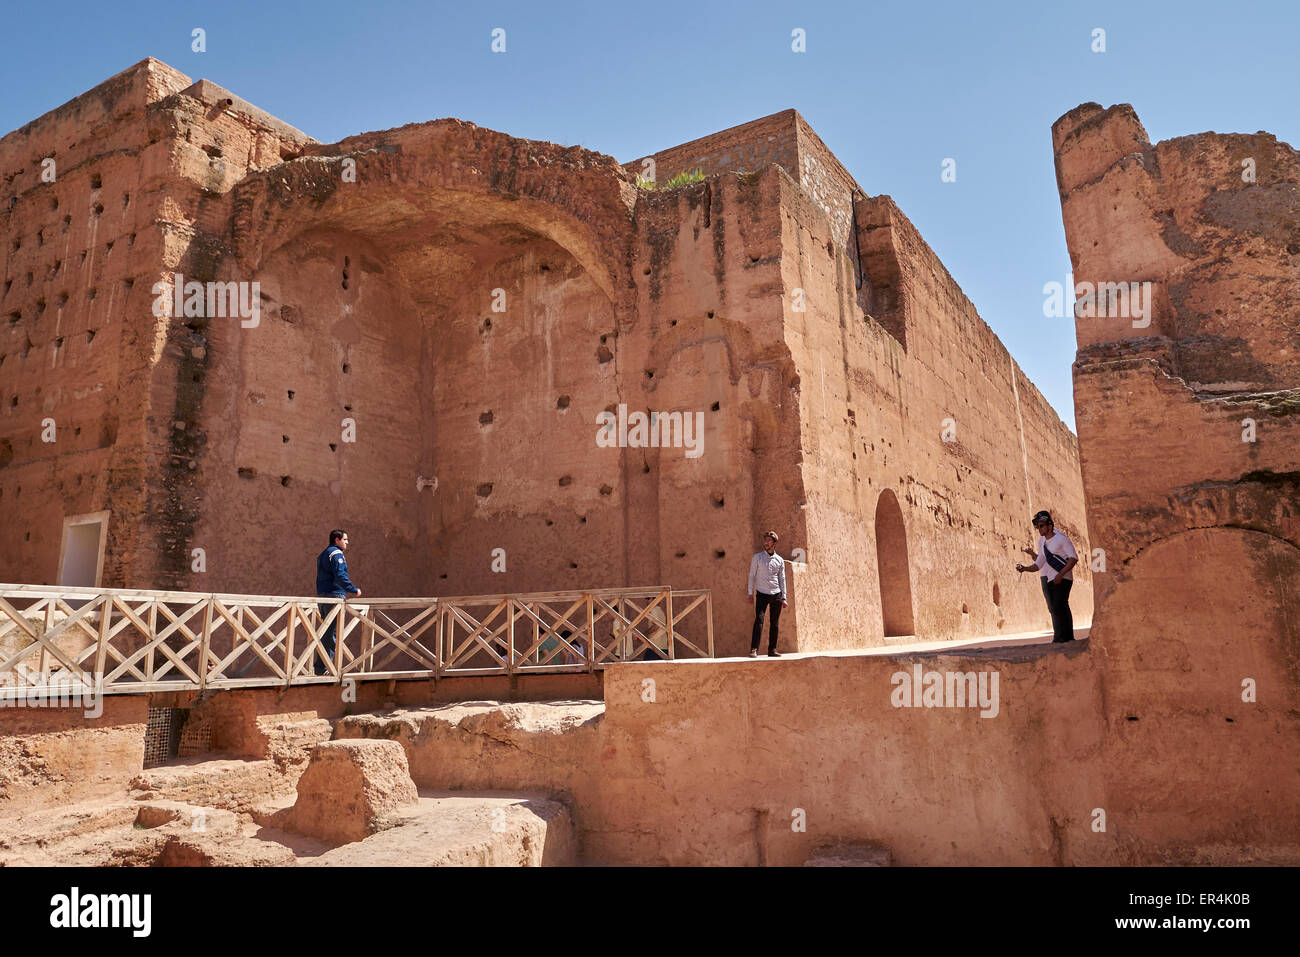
{"type": "Point", "coordinates": [767, 589]}
{"type": "Point", "coordinates": [1055, 563]}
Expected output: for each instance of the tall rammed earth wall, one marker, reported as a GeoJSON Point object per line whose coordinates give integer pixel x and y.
{"type": "Point", "coordinates": [925, 407]}
{"type": "Point", "coordinates": [1189, 435]}
{"type": "Point", "coordinates": [904, 395]}
{"type": "Point", "coordinates": [79, 204]}
{"type": "Point", "coordinates": [443, 313]}
{"type": "Point", "coordinates": [102, 198]}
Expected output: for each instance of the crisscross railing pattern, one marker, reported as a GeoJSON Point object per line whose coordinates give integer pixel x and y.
{"type": "Point", "coordinates": [120, 640]}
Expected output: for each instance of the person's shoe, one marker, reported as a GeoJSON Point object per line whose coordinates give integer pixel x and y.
{"type": "Point", "coordinates": [1061, 641]}
{"type": "Point", "coordinates": [753, 652]}
{"type": "Point", "coordinates": [774, 653]}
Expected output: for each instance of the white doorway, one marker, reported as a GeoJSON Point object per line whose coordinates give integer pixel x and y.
{"type": "Point", "coordinates": [81, 557]}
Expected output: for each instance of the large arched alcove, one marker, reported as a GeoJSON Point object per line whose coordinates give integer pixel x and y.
{"type": "Point", "coordinates": [426, 322]}
{"type": "Point", "coordinates": [444, 184]}
{"type": "Point", "coordinates": [891, 561]}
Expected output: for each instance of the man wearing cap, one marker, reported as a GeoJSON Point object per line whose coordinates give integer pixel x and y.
{"type": "Point", "coordinates": [767, 589]}
{"type": "Point", "coordinates": [1055, 563]}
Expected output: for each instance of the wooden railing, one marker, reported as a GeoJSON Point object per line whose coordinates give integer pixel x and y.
{"type": "Point", "coordinates": [122, 641]}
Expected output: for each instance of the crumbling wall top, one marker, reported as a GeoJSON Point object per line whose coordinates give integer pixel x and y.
{"type": "Point", "coordinates": [1192, 239]}
{"type": "Point", "coordinates": [126, 92]}
{"type": "Point", "coordinates": [219, 98]}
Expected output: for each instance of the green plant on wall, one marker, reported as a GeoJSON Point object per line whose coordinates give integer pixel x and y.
{"type": "Point", "coordinates": [684, 178]}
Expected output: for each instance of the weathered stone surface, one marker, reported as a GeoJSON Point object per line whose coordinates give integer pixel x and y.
{"type": "Point", "coordinates": [485, 745]}
{"type": "Point", "coordinates": [290, 743]}
{"type": "Point", "coordinates": [351, 789]}
{"type": "Point", "coordinates": [711, 771]}
{"type": "Point", "coordinates": [54, 755]}
{"type": "Point", "coordinates": [222, 782]}
{"type": "Point", "coordinates": [467, 830]}
{"type": "Point", "coordinates": [517, 829]}
{"type": "Point", "coordinates": [1223, 347]}
{"type": "Point", "coordinates": [115, 834]}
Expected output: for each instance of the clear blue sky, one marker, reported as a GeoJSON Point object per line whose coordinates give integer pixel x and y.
{"type": "Point", "coordinates": [892, 89]}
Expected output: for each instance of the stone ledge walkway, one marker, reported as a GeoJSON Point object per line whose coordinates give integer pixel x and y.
{"type": "Point", "coordinates": [992, 646]}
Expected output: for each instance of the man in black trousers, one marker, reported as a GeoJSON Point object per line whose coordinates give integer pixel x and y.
{"type": "Point", "coordinates": [332, 581]}
{"type": "Point", "coordinates": [767, 589]}
{"type": "Point", "coordinates": [1055, 563]}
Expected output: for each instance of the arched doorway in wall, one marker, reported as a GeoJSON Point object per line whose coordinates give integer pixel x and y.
{"type": "Point", "coordinates": [891, 561]}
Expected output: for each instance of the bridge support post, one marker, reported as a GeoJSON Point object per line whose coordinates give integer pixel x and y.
{"type": "Point", "coordinates": [205, 640]}
{"type": "Point", "coordinates": [510, 637]}
{"type": "Point", "coordinates": [672, 653]}
{"type": "Point", "coordinates": [591, 634]}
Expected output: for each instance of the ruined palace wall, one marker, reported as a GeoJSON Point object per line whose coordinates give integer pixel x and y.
{"type": "Point", "coordinates": [701, 338]}
{"type": "Point", "coordinates": [825, 742]}
{"type": "Point", "coordinates": [938, 786]}
{"type": "Point", "coordinates": [1219, 353]}
{"type": "Point", "coordinates": [509, 399]}
{"type": "Point", "coordinates": [658, 301]}
{"type": "Point", "coordinates": [189, 446]}
{"type": "Point", "coordinates": [706, 339]}
{"type": "Point", "coordinates": [1190, 445]}
{"type": "Point", "coordinates": [874, 414]}
{"type": "Point", "coordinates": [138, 196]}
{"type": "Point", "coordinates": [1219, 252]}
{"type": "Point", "coordinates": [76, 261]}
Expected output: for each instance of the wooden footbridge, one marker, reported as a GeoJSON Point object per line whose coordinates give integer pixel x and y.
{"type": "Point", "coordinates": [121, 641]}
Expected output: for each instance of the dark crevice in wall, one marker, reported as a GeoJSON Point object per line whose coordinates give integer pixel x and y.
{"type": "Point", "coordinates": [177, 513]}
{"type": "Point", "coordinates": [1266, 477]}
{"type": "Point", "coordinates": [660, 235]}
{"type": "Point", "coordinates": [719, 241]}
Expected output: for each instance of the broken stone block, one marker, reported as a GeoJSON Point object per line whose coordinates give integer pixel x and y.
{"type": "Point", "coordinates": [351, 789]}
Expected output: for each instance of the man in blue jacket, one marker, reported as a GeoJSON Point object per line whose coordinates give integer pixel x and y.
{"type": "Point", "coordinates": [332, 582]}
